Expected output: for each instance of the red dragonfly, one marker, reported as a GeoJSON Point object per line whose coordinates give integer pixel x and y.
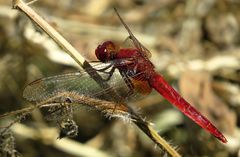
{"type": "Point", "coordinates": [136, 73]}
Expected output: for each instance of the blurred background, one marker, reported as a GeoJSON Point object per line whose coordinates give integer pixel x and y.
{"type": "Point", "coordinates": [195, 45]}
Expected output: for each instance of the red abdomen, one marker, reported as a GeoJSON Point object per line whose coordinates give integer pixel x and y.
{"type": "Point", "coordinates": [159, 84]}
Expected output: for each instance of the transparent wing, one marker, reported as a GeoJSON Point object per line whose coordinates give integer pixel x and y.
{"type": "Point", "coordinates": [136, 43]}
{"type": "Point", "coordinates": [77, 82]}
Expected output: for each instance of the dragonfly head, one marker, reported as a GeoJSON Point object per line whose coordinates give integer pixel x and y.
{"type": "Point", "coordinates": [106, 51]}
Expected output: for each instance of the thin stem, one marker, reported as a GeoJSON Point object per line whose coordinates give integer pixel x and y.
{"type": "Point", "coordinates": [62, 42]}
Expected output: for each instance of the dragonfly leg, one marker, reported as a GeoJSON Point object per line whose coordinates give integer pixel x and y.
{"type": "Point", "coordinates": [110, 73]}
{"type": "Point", "coordinates": [105, 68]}
{"type": "Point", "coordinates": [94, 61]}
{"type": "Point", "coordinates": [126, 62]}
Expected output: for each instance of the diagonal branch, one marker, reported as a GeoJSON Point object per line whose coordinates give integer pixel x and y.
{"type": "Point", "coordinates": [63, 43]}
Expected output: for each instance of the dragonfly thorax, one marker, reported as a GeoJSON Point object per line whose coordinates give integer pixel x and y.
{"type": "Point", "coordinates": [106, 51]}
{"type": "Point", "coordinates": [135, 64]}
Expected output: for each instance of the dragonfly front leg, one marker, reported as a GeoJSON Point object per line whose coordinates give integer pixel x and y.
{"type": "Point", "coordinates": [105, 68]}
{"type": "Point", "coordinates": [90, 69]}
{"type": "Point", "coordinates": [110, 73]}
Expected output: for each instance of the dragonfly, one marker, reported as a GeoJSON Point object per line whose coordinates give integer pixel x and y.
{"type": "Point", "coordinates": [135, 72]}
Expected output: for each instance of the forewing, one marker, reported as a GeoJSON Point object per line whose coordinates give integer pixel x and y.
{"type": "Point", "coordinates": [78, 82]}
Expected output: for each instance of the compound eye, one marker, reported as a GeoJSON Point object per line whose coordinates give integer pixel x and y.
{"type": "Point", "coordinates": [105, 51]}
{"type": "Point", "coordinates": [101, 53]}
{"type": "Point", "coordinates": [110, 47]}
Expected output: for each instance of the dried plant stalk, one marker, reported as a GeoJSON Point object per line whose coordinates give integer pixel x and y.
{"type": "Point", "coordinates": [63, 43]}
{"type": "Point", "coordinates": [109, 108]}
